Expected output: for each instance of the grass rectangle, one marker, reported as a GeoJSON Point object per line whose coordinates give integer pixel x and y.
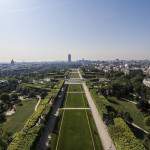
{"type": "Point", "coordinates": [75, 100]}
{"type": "Point", "coordinates": [75, 88]}
{"type": "Point", "coordinates": [16, 122]}
{"type": "Point", "coordinates": [77, 130]}
{"type": "Point", "coordinates": [75, 133]}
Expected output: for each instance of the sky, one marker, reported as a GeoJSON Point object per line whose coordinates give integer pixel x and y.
{"type": "Point", "coordinates": [47, 30]}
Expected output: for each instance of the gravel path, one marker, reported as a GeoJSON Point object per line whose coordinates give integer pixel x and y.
{"type": "Point", "coordinates": [38, 103]}
{"type": "Point", "coordinates": [75, 109]}
{"type": "Point", "coordinates": [75, 92]}
{"type": "Point", "coordinates": [101, 127]}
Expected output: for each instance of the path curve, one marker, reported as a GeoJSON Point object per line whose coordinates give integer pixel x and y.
{"type": "Point", "coordinates": [38, 103]}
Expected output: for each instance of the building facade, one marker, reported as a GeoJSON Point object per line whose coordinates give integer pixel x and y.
{"type": "Point", "coordinates": [69, 58]}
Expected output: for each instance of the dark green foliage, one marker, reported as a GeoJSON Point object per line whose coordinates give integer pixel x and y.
{"type": "Point", "coordinates": [123, 137]}
{"type": "Point", "coordinates": [5, 98]}
{"type": "Point", "coordinates": [25, 139]}
{"type": "Point", "coordinates": [14, 97]}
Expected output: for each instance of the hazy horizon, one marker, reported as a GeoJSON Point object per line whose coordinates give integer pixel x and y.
{"type": "Point", "coordinates": [98, 30]}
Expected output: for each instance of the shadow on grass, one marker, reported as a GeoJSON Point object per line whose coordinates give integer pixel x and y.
{"type": "Point", "coordinates": [112, 101]}
{"type": "Point", "coordinates": [137, 132]}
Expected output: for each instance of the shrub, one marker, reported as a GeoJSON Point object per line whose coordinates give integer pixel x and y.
{"type": "Point", "coordinates": [123, 137]}
{"type": "Point", "coordinates": [28, 135]}
{"type": "Point", "coordinates": [25, 139]}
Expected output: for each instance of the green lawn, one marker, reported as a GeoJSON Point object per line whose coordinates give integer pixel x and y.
{"type": "Point", "coordinates": [75, 133]}
{"type": "Point", "coordinates": [100, 101]}
{"type": "Point", "coordinates": [75, 100]}
{"type": "Point", "coordinates": [16, 122]}
{"type": "Point", "coordinates": [97, 143]}
{"type": "Point", "coordinates": [34, 85]}
{"type": "Point", "coordinates": [77, 130]}
{"type": "Point", "coordinates": [75, 88]}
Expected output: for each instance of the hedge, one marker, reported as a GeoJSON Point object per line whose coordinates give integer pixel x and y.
{"type": "Point", "coordinates": [123, 137]}
{"type": "Point", "coordinates": [25, 139]}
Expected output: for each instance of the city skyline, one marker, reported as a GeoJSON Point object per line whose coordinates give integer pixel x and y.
{"type": "Point", "coordinates": [97, 30]}
{"type": "Point", "coordinates": [75, 74]}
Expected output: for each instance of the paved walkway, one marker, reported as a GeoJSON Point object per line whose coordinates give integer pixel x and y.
{"type": "Point", "coordinates": [67, 82]}
{"type": "Point", "coordinates": [101, 127]}
{"type": "Point", "coordinates": [75, 92]}
{"type": "Point", "coordinates": [38, 103]}
{"type": "Point", "coordinates": [74, 109]}
{"type": "Point", "coordinates": [74, 72]}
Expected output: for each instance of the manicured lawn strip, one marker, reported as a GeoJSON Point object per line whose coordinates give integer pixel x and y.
{"type": "Point", "coordinates": [75, 100]}
{"type": "Point", "coordinates": [35, 85]}
{"type": "Point", "coordinates": [42, 86]}
{"type": "Point", "coordinates": [16, 122]}
{"type": "Point", "coordinates": [92, 126]}
{"type": "Point", "coordinates": [94, 134]}
{"type": "Point", "coordinates": [77, 129]}
{"type": "Point", "coordinates": [100, 101]}
{"type": "Point", "coordinates": [75, 134]}
{"type": "Point", "coordinates": [98, 144]}
{"type": "Point", "coordinates": [75, 88]}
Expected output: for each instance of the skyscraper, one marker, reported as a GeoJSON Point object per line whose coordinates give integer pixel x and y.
{"type": "Point", "coordinates": [69, 58]}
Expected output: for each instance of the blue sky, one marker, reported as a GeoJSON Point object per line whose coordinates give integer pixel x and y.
{"type": "Point", "coordinates": [38, 30]}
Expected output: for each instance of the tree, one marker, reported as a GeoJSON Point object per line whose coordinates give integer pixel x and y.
{"type": "Point", "coordinates": [43, 94]}
{"type": "Point", "coordinates": [127, 117]}
{"type": "Point", "coordinates": [5, 98]}
{"type": "Point", "coordinates": [32, 94]}
{"type": "Point", "coordinates": [13, 83]}
{"type": "Point", "coordinates": [2, 117]}
{"type": "Point", "coordinates": [14, 97]}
